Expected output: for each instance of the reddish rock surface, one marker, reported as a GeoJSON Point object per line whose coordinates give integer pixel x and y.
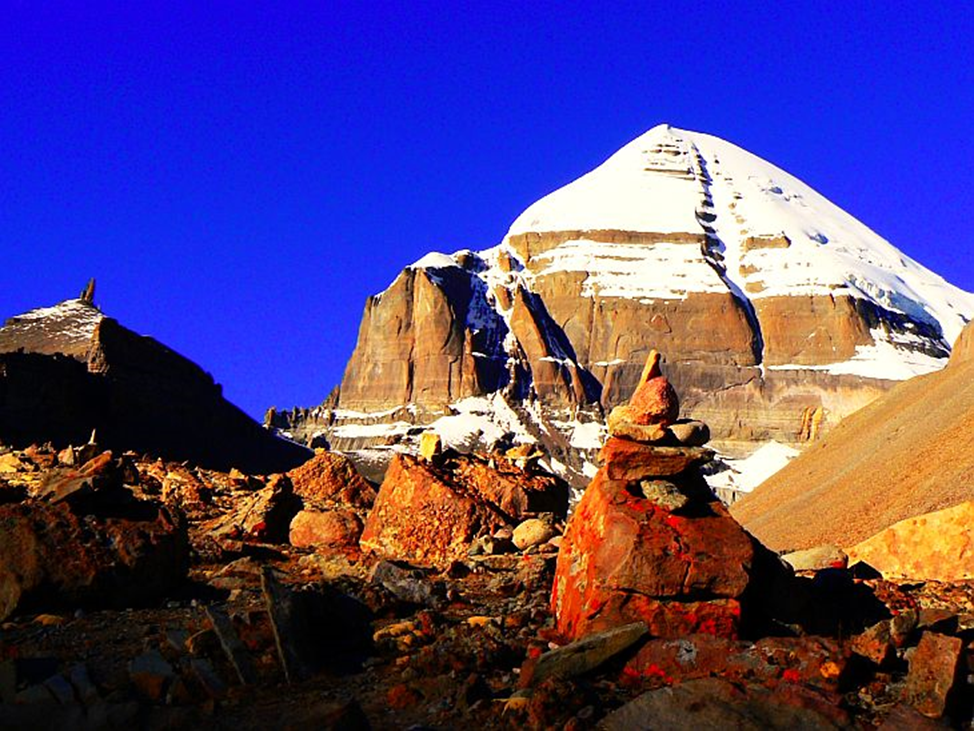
{"type": "Point", "coordinates": [330, 529]}
{"type": "Point", "coordinates": [933, 672]}
{"type": "Point", "coordinates": [814, 661]}
{"type": "Point", "coordinates": [625, 459]}
{"type": "Point", "coordinates": [431, 513]}
{"type": "Point", "coordinates": [624, 559]}
{"type": "Point", "coordinates": [49, 554]}
{"type": "Point", "coordinates": [655, 400]}
{"type": "Point", "coordinates": [330, 477]}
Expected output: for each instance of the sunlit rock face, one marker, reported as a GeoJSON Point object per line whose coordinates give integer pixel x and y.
{"type": "Point", "coordinates": [769, 301]}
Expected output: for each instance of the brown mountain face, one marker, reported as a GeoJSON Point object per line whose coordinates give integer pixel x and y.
{"type": "Point", "coordinates": [908, 453]}
{"type": "Point", "coordinates": [68, 370]}
{"type": "Point", "coordinates": [573, 348]}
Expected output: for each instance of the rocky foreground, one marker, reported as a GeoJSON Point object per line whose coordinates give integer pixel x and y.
{"type": "Point", "coordinates": [140, 593]}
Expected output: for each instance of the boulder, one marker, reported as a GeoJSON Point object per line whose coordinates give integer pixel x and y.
{"type": "Point", "coordinates": [933, 547]}
{"type": "Point", "coordinates": [624, 558]}
{"type": "Point", "coordinates": [330, 477]}
{"type": "Point", "coordinates": [533, 532]}
{"type": "Point", "coordinates": [49, 556]}
{"type": "Point", "coordinates": [332, 530]}
{"type": "Point", "coordinates": [432, 513]}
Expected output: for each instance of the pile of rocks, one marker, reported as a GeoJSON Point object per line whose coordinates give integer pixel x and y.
{"type": "Point", "coordinates": [649, 541]}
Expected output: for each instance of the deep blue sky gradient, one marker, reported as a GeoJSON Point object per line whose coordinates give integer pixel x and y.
{"type": "Point", "coordinates": [241, 176]}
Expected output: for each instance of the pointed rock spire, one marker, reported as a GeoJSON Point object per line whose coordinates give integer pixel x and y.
{"type": "Point", "coordinates": [88, 293]}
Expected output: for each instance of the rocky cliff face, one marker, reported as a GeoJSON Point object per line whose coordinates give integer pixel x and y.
{"type": "Point", "coordinates": [770, 302]}
{"type": "Point", "coordinates": [68, 370]}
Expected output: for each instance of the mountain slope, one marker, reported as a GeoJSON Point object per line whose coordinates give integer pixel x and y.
{"type": "Point", "coordinates": [777, 313]}
{"type": "Point", "coordinates": [909, 452]}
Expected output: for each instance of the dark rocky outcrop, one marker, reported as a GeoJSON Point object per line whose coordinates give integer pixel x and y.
{"type": "Point", "coordinates": [68, 370]}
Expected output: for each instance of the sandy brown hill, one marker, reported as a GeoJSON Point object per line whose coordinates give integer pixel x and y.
{"type": "Point", "coordinates": [909, 452]}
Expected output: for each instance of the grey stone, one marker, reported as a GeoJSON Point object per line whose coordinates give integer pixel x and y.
{"type": "Point", "coordinates": [690, 433]}
{"type": "Point", "coordinates": [664, 493]}
{"type": "Point", "coordinates": [585, 654]}
{"type": "Point", "coordinates": [816, 558]}
{"type": "Point", "coordinates": [232, 646]}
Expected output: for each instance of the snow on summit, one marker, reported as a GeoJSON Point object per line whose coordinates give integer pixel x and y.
{"type": "Point", "coordinates": [673, 181]}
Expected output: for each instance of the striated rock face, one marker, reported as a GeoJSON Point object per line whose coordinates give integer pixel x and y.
{"type": "Point", "coordinates": [771, 303]}
{"type": "Point", "coordinates": [907, 454]}
{"type": "Point", "coordinates": [68, 369]}
{"type": "Point", "coordinates": [431, 513]}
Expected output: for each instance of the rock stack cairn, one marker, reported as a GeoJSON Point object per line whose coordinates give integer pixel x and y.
{"type": "Point", "coordinates": [649, 541]}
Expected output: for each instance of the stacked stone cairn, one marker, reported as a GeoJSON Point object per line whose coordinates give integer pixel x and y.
{"type": "Point", "coordinates": [649, 541]}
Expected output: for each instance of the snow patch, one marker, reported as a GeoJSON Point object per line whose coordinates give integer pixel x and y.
{"type": "Point", "coordinates": [743, 475]}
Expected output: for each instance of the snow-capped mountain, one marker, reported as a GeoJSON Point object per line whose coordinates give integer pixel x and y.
{"type": "Point", "coordinates": [777, 312]}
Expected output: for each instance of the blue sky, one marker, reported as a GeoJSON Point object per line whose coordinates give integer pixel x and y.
{"type": "Point", "coordinates": [241, 176]}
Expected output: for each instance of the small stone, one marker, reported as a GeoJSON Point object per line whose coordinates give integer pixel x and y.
{"type": "Point", "coordinates": [430, 446]}
{"type": "Point", "coordinates": [664, 494]}
{"type": "Point", "coordinates": [533, 532]}
{"type": "Point", "coordinates": [207, 678]}
{"type": "Point", "coordinates": [826, 556]}
{"type": "Point", "coordinates": [875, 643]}
{"type": "Point", "coordinates": [86, 691]}
{"type": "Point", "coordinates": [620, 424]}
{"type": "Point", "coordinates": [690, 433]}
{"type": "Point", "coordinates": [235, 651]}
{"type": "Point", "coordinates": [151, 674]}
{"type": "Point", "coordinates": [654, 400]}
{"type": "Point", "coordinates": [61, 689]}
{"type": "Point", "coordinates": [583, 655]}
{"type": "Point", "coordinates": [405, 582]}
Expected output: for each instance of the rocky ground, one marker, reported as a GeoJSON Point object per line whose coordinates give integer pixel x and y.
{"type": "Point", "coordinates": [136, 593]}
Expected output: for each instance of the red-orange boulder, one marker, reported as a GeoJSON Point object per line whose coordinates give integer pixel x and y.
{"type": "Point", "coordinates": [431, 512]}
{"type": "Point", "coordinates": [654, 400]}
{"type": "Point", "coordinates": [329, 477]}
{"type": "Point", "coordinates": [625, 558]}
{"type": "Point", "coordinates": [334, 530]}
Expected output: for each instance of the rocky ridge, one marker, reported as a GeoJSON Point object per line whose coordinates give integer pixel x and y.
{"type": "Point", "coordinates": [780, 314]}
{"type": "Point", "coordinates": [68, 370]}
